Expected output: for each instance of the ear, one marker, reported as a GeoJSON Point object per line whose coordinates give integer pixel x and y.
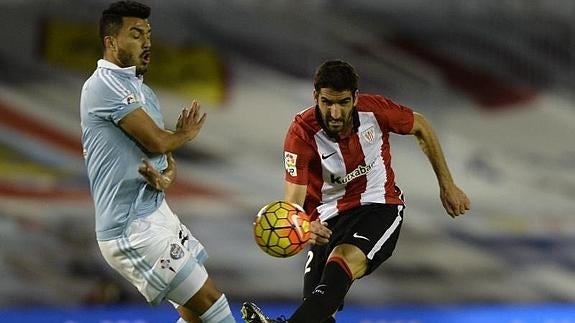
{"type": "Point", "coordinates": [315, 96]}
{"type": "Point", "coordinates": [355, 97]}
{"type": "Point", "coordinates": [110, 43]}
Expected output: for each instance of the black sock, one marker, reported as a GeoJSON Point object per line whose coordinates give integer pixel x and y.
{"type": "Point", "coordinates": [328, 295]}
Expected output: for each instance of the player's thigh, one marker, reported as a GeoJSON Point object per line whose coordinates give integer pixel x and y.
{"type": "Point", "coordinates": [192, 288]}
{"type": "Point", "coordinates": [158, 256]}
{"type": "Point", "coordinates": [375, 234]}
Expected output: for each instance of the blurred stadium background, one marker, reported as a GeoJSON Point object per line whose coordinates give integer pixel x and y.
{"type": "Point", "coordinates": [496, 78]}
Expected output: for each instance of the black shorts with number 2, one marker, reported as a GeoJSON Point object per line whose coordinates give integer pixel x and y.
{"type": "Point", "coordinates": [373, 228]}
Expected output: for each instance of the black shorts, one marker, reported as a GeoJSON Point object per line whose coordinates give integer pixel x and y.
{"type": "Point", "coordinates": [373, 228]}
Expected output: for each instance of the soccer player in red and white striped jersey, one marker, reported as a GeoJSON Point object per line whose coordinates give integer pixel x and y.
{"type": "Point", "coordinates": [338, 167]}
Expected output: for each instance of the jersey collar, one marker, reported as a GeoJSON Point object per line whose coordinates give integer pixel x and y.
{"type": "Point", "coordinates": [130, 70]}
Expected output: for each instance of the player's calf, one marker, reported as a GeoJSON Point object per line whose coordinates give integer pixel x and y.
{"type": "Point", "coordinates": [219, 312]}
{"type": "Point", "coordinates": [327, 296]}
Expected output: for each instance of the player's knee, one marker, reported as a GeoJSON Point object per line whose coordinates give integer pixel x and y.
{"type": "Point", "coordinates": [204, 298]}
{"type": "Point", "coordinates": [353, 258]}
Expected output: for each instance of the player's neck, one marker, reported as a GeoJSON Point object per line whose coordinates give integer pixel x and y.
{"type": "Point", "coordinates": [346, 132]}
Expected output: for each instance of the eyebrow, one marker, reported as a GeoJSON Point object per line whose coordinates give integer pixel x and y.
{"type": "Point", "coordinates": [338, 101]}
{"type": "Point", "coordinates": [142, 30]}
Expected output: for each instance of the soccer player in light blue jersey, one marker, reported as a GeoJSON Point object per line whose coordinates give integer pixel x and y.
{"type": "Point", "coordinates": [138, 234]}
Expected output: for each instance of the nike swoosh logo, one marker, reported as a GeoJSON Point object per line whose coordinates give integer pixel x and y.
{"type": "Point", "coordinates": [355, 235]}
{"type": "Point", "coordinates": [327, 156]}
{"type": "Point", "coordinates": [295, 222]}
{"type": "Point", "coordinates": [318, 289]}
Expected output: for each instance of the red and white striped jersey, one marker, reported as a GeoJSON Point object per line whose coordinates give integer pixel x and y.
{"type": "Point", "coordinates": [348, 172]}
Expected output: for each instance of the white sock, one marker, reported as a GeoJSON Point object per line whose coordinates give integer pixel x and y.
{"type": "Point", "coordinates": [181, 320]}
{"type": "Point", "coordinates": [219, 312]}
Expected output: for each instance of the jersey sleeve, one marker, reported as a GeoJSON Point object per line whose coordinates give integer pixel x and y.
{"type": "Point", "coordinates": [297, 155]}
{"type": "Point", "coordinates": [115, 100]}
{"type": "Point", "coordinates": [396, 117]}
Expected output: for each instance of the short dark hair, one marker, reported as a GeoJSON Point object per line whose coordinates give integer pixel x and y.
{"type": "Point", "coordinates": [337, 75]}
{"type": "Point", "coordinates": [111, 20]}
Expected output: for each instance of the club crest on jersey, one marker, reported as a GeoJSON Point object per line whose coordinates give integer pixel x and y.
{"type": "Point", "coordinates": [176, 252]}
{"type": "Point", "coordinates": [368, 134]}
{"type": "Point", "coordinates": [129, 99]}
{"type": "Point", "coordinates": [290, 163]}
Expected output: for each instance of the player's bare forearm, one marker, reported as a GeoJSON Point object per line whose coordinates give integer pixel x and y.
{"type": "Point", "coordinates": [188, 127]}
{"type": "Point", "coordinates": [156, 140]}
{"type": "Point", "coordinates": [168, 141]}
{"type": "Point", "coordinates": [454, 200]}
{"type": "Point", "coordinates": [429, 144]}
{"type": "Point", "coordinates": [295, 193]}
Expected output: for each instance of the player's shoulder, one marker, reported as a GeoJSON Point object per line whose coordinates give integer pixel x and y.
{"type": "Point", "coordinates": [108, 82]}
{"type": "Point", "coordinates": [305, 116]}
{"type": "Point", "coordinates": [304, 125]}
{"type": "Point", "coordinates": [379, 104]}
{"type": "Point", "coordinates": [306, 120]}
{"type": "Point", "coordinates": [368, 101]}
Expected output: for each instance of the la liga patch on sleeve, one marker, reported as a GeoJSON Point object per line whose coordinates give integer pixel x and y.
{"type": "Point", "coordinates": [290, 163]}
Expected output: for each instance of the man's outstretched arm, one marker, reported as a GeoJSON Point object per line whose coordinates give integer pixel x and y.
{"type": "Point", "coordinates": [160, 141]}
{"type": "Point", "coordinates": [452, 197]}
{"type": "Point", "coordinates": [296, 194]}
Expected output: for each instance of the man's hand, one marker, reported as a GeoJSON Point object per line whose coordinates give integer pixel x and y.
{"type": "Point", "coordinates": [319, 233]}
{"type": "Point", "coordinates": [190, 121]}
{"type": "Point", "coordinates": [454, 200]}
{"type": "Point", "coordinates": [159, 181]}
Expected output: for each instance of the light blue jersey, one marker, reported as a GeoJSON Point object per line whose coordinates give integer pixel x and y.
{"type": "Point", "coordinates": [112, 157]}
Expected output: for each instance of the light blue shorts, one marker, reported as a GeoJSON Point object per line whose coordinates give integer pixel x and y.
{"type": "Point", "coordinates": [159, 256]}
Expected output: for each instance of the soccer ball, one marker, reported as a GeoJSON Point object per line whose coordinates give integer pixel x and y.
{"type": "Point", "coordinates": [281, 229]}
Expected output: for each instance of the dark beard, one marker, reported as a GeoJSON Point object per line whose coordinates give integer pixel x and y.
{"type": "Point", "coordinates": [128, 60]}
